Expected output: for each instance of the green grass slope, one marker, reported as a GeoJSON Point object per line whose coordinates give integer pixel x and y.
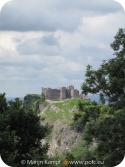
{"type": "Point", "coordinates": [61, 110]}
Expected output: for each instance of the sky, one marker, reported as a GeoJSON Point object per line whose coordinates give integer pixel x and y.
{"type": "Point", "coordinates": [49, 43]}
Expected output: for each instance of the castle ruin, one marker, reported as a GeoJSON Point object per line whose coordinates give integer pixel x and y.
{"type": "Point", "coordinates": [61, 94]}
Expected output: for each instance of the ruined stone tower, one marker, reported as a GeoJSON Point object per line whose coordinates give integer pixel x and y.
{"type": "Point", "coordinates": [51, 94]}
{"type": "Point", "coordinates": [62, 93]}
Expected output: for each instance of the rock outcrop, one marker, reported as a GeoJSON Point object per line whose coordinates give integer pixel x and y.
{"type": "Point", "coordinates": [63, 139]}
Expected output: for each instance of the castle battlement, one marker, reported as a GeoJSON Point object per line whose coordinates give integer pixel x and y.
{"type": "Point", "coordinates": [62, 93]}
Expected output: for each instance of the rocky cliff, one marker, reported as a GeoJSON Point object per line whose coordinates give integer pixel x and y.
{"type": "Point", "coordinates": [59, 115]}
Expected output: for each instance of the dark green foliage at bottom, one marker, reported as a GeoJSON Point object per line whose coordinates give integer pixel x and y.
{"type": "Point", "coordinates": [20, 134]}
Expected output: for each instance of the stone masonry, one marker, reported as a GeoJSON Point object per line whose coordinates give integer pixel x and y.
{"type": "Point", "coordinates": [60, 94]}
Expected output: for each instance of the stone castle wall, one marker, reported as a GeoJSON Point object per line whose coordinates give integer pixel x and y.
{"type": "Point", "coordinates": [51, 94]}
{"type": "Point", "coordinates": [62, 93]}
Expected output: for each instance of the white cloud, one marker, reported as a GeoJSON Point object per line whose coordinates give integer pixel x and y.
{"type": "Point", "coordinates": [59, 52]}
{"type": "Point", "coordinates": [51, 15]}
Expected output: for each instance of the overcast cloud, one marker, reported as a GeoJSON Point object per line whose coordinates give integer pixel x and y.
{"type": "Point", "coordinates": [50, 43]}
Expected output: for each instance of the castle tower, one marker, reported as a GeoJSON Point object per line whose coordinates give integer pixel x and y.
{"type": "Point", "coordinates": [44, 91]}
{"type": "Point", "coordinates": [72, 93]}
{"type": "Point", "coordinates": [63, 93]}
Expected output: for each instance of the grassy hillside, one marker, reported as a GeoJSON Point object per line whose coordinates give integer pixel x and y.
{"type": "Point", "coordinates": [61, 110]}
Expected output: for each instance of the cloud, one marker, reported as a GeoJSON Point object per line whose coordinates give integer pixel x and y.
{"type": "Point", "coordinates": [46, 45]}
{"type": "Point", "coordinates": [50, 43]}
{"type": "Point", "coordinates": [37, 15]}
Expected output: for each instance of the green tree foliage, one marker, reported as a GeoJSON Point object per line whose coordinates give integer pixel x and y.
{"type": "Point", "coordinates": [103, 125]}
{"type": "Point", "coordinates": [90, 111]}
{"type": "Point", "coordinates": [15, 105]}
{"type": "Point", "coordinates": [109, 79]}
{"type": "Point", "coordinates": [103, 133]}
{"type": "Point", "coordinates": [3, 103]}
{"type": "Point", "coordinates": [21, 133]}
{"type": "Point", "coordinates": [31, 102]}
{"type": "Point", "coordinates": [108, 133]}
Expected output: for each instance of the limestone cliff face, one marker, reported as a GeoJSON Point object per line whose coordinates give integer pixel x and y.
{"type": "Point", "coordinates": [63, 139]}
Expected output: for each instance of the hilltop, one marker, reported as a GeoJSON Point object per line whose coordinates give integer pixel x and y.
{"type": "Point", "coordinates": [59, 115]}
{"type": "Point", "coordinates": [63, 110]}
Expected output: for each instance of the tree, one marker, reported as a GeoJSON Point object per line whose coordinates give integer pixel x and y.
{"type": "Point", "coordinates": [31, 102]}
{"type": "Point", "coordinates": [109, 79]}
{"type": "Point", "coordinates": [15, 105]}
{"type": "Point", "coordinates": [108, 132]}
{"type": "Point", "coordinates": [21, 133]}
{"type": "Point", "coordinates": [3, 103]}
